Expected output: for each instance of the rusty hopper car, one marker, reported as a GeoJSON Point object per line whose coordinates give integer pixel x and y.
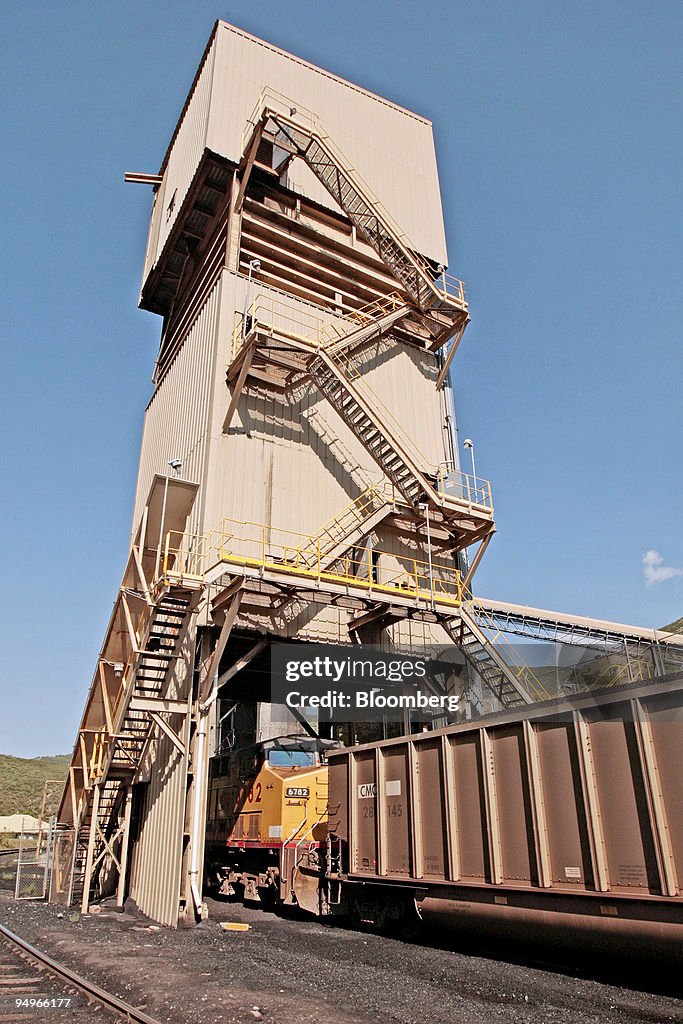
{"type": "Point", "coordinates": [566, 825]}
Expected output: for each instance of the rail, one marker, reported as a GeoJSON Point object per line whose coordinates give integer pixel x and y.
{"type": "Point", "coordinates": [90, 989]}
{"type": "Point", "coordinates": [271, 314]}
{"type": "Point", "coordinates": [268, 549]}
{"type": "Point", "coordinates": [276, 316]}
{"type": "Point", "coordinates": [448, 288]}
{"type": "Point", "coordinates": [463, 487]}
{"type": "Point", "coordinates": [351, 517]}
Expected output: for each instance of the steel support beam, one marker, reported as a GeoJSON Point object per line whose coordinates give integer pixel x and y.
{"type": "Point", "coordinates": [238, 386]}
{"type": "Point", "coordinates": [215, 660]}
{"type": "Point", "coordinates": [168, 731]}
{"type": "Point", "coordinates": [125, 842]}
{"type": "Point", "coordinates": [87, 874]}
{"type": "Point", "coordinates": [476, 561]}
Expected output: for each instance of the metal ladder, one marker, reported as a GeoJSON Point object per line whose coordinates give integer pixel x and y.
{"type": "Point", "coordinates": [118, 765]}
{"type": "Point", "coordinates": [108, 799]}
{"type": "Point", "coordinates": [153, 666]}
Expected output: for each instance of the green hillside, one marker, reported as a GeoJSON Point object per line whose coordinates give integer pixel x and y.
{"type": "Point", "coordinates": [22, 780]}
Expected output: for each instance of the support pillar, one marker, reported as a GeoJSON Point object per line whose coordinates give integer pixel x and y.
{"type": "Point", "coordinates": [123, 869]}
{"type": "Point", "coordinates": [91, 848]}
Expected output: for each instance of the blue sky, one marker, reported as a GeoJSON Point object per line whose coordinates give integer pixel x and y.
{"type": "Point", "coordinates": [558, 136]}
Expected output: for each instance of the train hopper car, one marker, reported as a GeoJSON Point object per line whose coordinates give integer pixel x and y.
{"type": "Point", "coordinates": [561, 825]}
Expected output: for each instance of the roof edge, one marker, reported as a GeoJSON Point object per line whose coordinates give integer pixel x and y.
{"type": "Point", "coordinates": [220, 23]}
{"type": "Point", "coordinates": [323, 71]}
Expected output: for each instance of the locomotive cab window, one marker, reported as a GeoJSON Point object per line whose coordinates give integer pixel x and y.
{"type": "Point", "coordinates": [291, 758]}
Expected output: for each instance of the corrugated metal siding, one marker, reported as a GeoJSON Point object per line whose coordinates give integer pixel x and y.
{"type": "Point", "coordinates": [157, 860]}
{"type": "Point", "coordinates": [177, 417]}
{"type": "Point", "coordinates": [404, 378]}
{"type": "Point", "coordinates": [388, 145]}
{"type": "Point", "coordinates": [155, 871]}
{"type": "Point", "coordinates": [183, 160]}
{"type": "Point", "coordinates": [289, 462]}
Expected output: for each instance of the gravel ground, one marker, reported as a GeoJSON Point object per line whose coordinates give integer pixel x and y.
{"type": "Point", "coordinates": [301, 972]}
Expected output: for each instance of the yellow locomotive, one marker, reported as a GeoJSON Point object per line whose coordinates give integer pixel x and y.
{"type": "Point", "coordinates": [267, 808]}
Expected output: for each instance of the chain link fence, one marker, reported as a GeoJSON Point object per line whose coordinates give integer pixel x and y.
{"type": "Point", "coordinates": [34, 862]}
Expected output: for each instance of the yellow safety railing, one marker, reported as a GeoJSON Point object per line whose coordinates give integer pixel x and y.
{"type": "Point", "coordinates": [333, 333]}
{"type": "Point", "coordinates": [507, 651]}
{"type": "Point", "coordinates": [273, 315]}
{"type": "Point", "coordinates": [270, 99]}
{"type": "Point", "coordinates": [446, 285]}
{"type": "Point", "coordinates": [612, 669]}
{"type": "Point", "coordinates": [277, 316]}
{"type": "Point", "coordinates": [263, 547]}
{"type": "Point", "coordinates": [184, 555]}
{"type": "Point", "coordinates": [348, 518]}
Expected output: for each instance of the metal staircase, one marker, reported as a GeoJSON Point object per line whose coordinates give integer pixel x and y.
{"type": "Point", "coordinates": [110, 792]}
{"type": "Point", "coordinates": [152, 669]}
{"type": "Point", "coordinates": [509, 680]}
{"type": "Point", "coordinates": [397, 458]}
{"type": "Point", "coordinates": [299, 133]}
{"type": "Point", "coordinates": [117, 755]}
{"type": "Point", "coordinates": [324, 351]}
{"type": "Point", "coordinates": [343, 530]}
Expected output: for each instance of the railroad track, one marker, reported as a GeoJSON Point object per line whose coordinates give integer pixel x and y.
{"type": "Point", "coordinates": [34, 986]}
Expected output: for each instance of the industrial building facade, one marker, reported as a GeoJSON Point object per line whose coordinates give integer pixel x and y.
{"type": "Point", "coordinates": [299, 475]}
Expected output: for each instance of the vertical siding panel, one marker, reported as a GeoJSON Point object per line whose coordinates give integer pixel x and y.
{"type": "Point", "coordinates": [177, 417]}
{"type": "Point", "coordinates": [156, 873]}
{"type": "Point", "coordinates": [386, 143]}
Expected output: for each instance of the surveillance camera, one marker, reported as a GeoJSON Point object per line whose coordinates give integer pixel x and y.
{"type": "Point", "coordinates": [468, 443]}
{"type": "Point", "coordinates": [176, 464]}
{"type": "Point", "coordinates": [256, 266]}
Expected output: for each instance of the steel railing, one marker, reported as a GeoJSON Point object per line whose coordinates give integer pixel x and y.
{"type": "Point", "coordinates": [266, 548]}
{"type": "Point", "coordinates": [463, 487]}
{"type": "Point", "coordinates": [507, 651]}
{"type": "Point", "coordinates": [269, 313]}
{"type": "Point", "coordinates": [447, 287]}
{"type": "Point", "coordinates": [272, 315]}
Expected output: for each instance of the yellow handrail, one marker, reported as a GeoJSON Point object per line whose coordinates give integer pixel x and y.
{"type": "Point", "coordinates": [365, 503]}
{"type": "Point", "coordinates": [266, 548]}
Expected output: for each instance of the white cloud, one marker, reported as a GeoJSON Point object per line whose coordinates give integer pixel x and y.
{"type": "Point", "coordinates": [654, 569]}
